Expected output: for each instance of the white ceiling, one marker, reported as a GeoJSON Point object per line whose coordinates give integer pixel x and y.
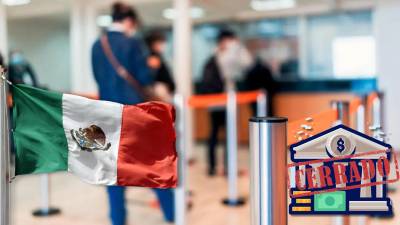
{"type": "Point", "coordinates": [215, 10]}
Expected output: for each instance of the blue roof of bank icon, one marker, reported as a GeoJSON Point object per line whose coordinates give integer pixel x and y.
{"type": "Point", "coordinates": [343, 142]}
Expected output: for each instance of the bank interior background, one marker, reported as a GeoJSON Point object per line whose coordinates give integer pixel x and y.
{"type": "Point", "coordinates": [316, 50]}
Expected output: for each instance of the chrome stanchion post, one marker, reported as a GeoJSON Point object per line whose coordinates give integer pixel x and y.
{"type": "Point", "coordinates": [44, 182]}
{"type": "Point", "coordinates": [45, 208]}
{"type": "Point", "coordinates": [262, 104]}
{"type": "Point", "coordinates": [343, 117]}
{"type": "Point", "coordinates": [378, 128]}
{"type": "Point", "coordinates": [376, 112]}
{"type": "Point", "coordinates": [343, 112]}
{"type": "Point", "coordinates": [180, 190]}
{"type": "Point", "coordinates": [4, 154]}
{"type": "Point", "coordinates": [360, 118]}
{"type": "Point", "coordinates": [360, 126]}
{"type": "Point", "coordinates": [268, 163]}
{"type": "Point", "coordinates": [377, 118]}
{"type": "Point", "coordinates": [231, 138]}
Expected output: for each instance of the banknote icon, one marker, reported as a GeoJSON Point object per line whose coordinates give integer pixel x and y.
{"type": "Point", "coordinates": [332, 201]}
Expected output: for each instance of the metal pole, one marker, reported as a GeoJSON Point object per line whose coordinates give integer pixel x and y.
{"type": "Point", "coordinates": [182, 67]}
{"type": "Point", "coordinates": [4, 154]}
{"type": "Point", "coordinates": [360, 118]}
{"type": "Point", "coordinates": [343, 112]}
{"type": "Point", "coordinates": [360, 126]}
{"type": "Point", "coordinates": [180, 190]}
{"type": "Point", "coordinates": [44, 178]}
{"type": "Point", "coordinates": [182, 31]}
{"type": "Point", "coordinates": [268, 163]}
{"type": "Point", "coordinates": [262, 104]}
{"type": "Point", "coordinates": [377, 117]}
{"type": "Point", "coordinates": [343, 117]}
{"type": "Point", "coordinates": [45, 208]}
{"type": "Point", "coordinates": [231, 121]}
{"type": "Point", "coordinates": [231, 143]}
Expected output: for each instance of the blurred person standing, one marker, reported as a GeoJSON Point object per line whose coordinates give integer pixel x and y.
{"type": "Point", "coordinates": [220, 74]}
{"type": "Point", "coordinates": [260, 75]}
{"type": "Point", "coordinates": [1, 60]}
{"type": "Point", "coordinates": [20, 70]}
{"type": "Point", "coordinates": [164, 85]}
{"type": "Point", "coordinates": [119, 43]}
{"type": "Point", "coordinates": [120, 69]}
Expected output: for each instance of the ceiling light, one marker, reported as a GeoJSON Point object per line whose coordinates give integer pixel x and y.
{"type": "Point", "coordinates": [16, 2]}
{"type": "Point", "coordinates": [263, 5]}
{"type": "Point", "coordinates": [195, 13]}
{"type": "Point", "coordinates": [104, 20]}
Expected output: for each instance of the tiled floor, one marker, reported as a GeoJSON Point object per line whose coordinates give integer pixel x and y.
{"type": "Point", "coordinates": [84, 204]}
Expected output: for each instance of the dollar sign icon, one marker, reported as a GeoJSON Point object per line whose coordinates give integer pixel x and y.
{"type": "Point", "coordinates": [340, 145]}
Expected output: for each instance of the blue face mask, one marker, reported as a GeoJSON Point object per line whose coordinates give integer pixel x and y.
{"type": "Point", "coordinates": [17, 59]}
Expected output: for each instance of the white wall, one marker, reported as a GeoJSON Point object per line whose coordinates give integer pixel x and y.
{"type": "Point", "coordinates": [387, 33]}
{"type": "Point", "coordinates": [45, 43]}
{"type": "Point", "coordinates": [3, 30]}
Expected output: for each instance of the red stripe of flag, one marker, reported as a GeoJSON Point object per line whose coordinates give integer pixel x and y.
{"type": "Point", "coordinates": [147, 155]}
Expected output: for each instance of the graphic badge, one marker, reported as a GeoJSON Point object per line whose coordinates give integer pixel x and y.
{"type": "Point", "coordinates": [341, 171]}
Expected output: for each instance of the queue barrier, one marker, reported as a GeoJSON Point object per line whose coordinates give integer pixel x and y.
{"type": "Point", "coordinates": [317, 123]}
{"type": "Point", "coordinates": [211, 100]}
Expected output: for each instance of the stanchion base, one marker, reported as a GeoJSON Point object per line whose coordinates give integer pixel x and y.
{"type": "Point", "coordinates": [384, 216]}
{"type": "Point", "coordinates": [234, 202]}
{"type": "Point", "coordinates": [49, 212]}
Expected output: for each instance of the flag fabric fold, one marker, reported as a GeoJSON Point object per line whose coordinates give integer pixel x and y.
{"type": "Point", "coordinates": [100, 142]}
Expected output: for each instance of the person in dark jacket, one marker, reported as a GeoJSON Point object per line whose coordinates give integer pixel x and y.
{"type": "Point", "coordinates": [20, 70]}
{"type": "Point", "coordinates": [164, 82]}
{"type": "Point", "coordinates": [260, 77]}
{"type": "Point", "coordinates": [219, 75]}
{"type": "Point", "coordinates": [156, 43]}
{"type": "Point", "coordinates": [129, 52]}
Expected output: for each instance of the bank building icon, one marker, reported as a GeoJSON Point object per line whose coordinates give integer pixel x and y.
{"type": "Point", "coordinates": [334, 146]}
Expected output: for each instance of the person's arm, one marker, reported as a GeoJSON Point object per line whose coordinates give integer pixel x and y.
{"type": "Point", "coordinates": [95, 60]}
{"type": "Point", "coordinates": [32, 75]}
{"type": "Point", "coordinates": [165, 76]}
{"type": "Point", "coordinates": [138, 65]}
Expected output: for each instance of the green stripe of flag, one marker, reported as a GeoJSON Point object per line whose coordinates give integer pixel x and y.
{"type": "Point", "coordinates": [39, 138]}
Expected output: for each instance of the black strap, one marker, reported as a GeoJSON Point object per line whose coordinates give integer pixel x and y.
{"type": "Point", "coordinates": [120, 69]}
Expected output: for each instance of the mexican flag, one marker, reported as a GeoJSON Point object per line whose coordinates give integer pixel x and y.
{"type": "Point", "coordinates": [100, 142]}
